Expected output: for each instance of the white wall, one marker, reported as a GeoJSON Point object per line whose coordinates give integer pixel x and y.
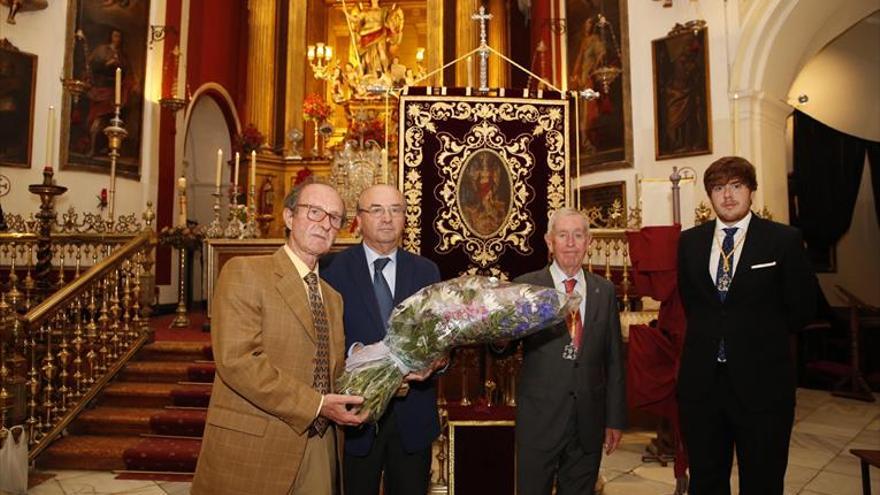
{"type": "Point", "coordinates": [837, 97]}
{"type": "Point", "coordinates": [43, 33]}
{"type": "Point", "coordinates": [649, 21]}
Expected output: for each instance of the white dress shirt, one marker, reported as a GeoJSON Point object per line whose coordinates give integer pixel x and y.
{"type": "Point", "coordinates": [718, 239]}
{"type": "Point", "coordinates": [559, 278]}
{"type": "Point", "coordinates": [390, 270]}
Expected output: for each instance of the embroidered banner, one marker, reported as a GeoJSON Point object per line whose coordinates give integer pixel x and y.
{"type": "Point", "coordinates": [481, 175]}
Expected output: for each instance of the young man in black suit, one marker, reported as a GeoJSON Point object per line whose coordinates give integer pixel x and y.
{"type": "Point", "coordinates": [746, 283]}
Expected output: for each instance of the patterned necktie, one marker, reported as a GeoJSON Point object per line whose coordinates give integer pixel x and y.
{"type": "Point", "coordinates": [321, 381]}
{"type": "Point", "coordinates": [383, 292]}
{"type": "Point", "coordinates": [574, 318]}
{"type": "Point", "coordinates": [724, 276]}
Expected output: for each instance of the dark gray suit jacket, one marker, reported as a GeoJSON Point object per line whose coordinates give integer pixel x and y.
{"type": "Point", "coordinates": [593, 384]}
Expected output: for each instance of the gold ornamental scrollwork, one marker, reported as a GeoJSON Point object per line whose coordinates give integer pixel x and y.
{"type": "Point", "coordinates": [481, 239]}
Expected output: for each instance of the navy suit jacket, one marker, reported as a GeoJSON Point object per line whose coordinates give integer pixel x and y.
{"type": "Point", "coordinates": [416, 413]}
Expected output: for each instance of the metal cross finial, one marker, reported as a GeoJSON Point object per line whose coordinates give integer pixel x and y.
{"type": "Point", "coordinates": [482, 17]}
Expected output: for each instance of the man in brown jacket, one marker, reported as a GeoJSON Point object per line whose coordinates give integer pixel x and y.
{"type": "Point", "coordinates": [278, 344]}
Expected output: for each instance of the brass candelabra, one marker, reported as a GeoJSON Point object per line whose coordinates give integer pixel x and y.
{"type": "Point", "coordinates": [115, 133]}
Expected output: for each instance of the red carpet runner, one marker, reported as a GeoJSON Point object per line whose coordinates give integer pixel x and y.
{"type": "Point", "coordinates": [152, 416]}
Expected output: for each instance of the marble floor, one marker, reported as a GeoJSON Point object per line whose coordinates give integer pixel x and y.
{"type": "Point", "coordinates": [825, 429]}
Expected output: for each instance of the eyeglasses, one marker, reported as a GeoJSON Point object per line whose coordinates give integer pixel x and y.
{"type": "Point", "coordinates": [377, 211]}
{"type": "Point", "coordinates": [730, 186]}
{"type": "Point", "coordinates": [317, 214]}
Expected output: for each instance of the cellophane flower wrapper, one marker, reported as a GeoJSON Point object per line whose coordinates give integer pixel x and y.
{"type": "Point", "coordinates": [426, 326]}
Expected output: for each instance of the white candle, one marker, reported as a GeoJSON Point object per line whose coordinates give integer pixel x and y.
{"type": "Point", "coordinates": [470, 71]}
{"type": "Point", "coordinates": [235, 176]}
{"type": "Point", "coordinates": [50, 135]}
{"type": "Point", "coordinates": [181, 215]}
{"type": "Point", "coordinates": [118, 99]}
{"type": "Point", "coordinates": [219, 169]}
{"type": "Point", "coordinates": [253, 182]}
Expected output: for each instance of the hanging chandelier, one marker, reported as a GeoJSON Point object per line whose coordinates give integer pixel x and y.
{"type": "Point", "coordinates": [607, 72]}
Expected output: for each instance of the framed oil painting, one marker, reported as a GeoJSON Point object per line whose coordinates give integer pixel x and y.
{"type": "Point", "coordinates": [484, 193]}
{"type": "Point", "coordinates": [597, 39]}
{"type": "Point", "coordinates": [682, 107]}
{"type": "Point", "coordinates": [602, 202]}
{"type": "Point", "coordinates": [104, 36]}
{"type": "Point", "coordinates": [18, 75]}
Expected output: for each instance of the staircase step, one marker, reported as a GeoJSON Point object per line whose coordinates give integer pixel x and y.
{"type": "Point", "coordinates": [104, 420]}
{"type": "Point", "coordinates": [88, 452]}
{"type": "Point", "coordinates": [163, 454]}
{"type": "Point", "coordinates": [145, 394]}
{"type": "Point", "coordinates": [169, 350]}
{"type": "Point", "coordinates": [155, 371]}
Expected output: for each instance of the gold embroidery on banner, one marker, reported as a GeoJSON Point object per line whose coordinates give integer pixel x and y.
{"type": "Point", "coordinates": [484, 190]}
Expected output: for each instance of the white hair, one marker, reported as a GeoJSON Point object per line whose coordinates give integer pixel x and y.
{"type": "Point", "coordinates": [565, 212]}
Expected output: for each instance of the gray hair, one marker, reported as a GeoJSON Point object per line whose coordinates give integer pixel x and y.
{"type": "Point", "coordinates": [565, 212]}
{"type": "Point", "coordinates": [292, 197]}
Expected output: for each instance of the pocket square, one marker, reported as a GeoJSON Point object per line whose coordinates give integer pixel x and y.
{"type": "Point", "coordinates": [763, 265]}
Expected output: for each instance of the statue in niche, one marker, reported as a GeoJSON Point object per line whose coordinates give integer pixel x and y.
{"type": "Point", "coordinates": [377, 32]}
{"type": "Point", "coordinates": [16, 6]}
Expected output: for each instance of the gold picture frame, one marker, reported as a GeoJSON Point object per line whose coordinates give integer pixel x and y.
{"type": "Point", "coordinates": [682, 102]}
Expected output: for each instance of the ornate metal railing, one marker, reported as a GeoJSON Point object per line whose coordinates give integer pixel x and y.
{"type": "Point", "coordinates": [75, 301]}
{"type": "Point", "coordinates": [58, 355]}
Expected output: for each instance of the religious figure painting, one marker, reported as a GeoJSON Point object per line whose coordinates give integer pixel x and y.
{"type": "Point", "coordinates": [597, 40]}
{"type": "Point", "coordinates": [484, 193]}
{"type": "Point", "coordinates": [18, 73]}
{"type": "Point", "coordinates": [682, 111]}
{"type": "Point", "coordinates": [105, 36]}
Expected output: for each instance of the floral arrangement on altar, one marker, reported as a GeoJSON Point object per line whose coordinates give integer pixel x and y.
{"type": "Point", "coordinates": [427, 325]}
{"type": "Point", "coordinates": [250, 139]}
{"type": "Point", "coordinates": [182, 237]}
{"type": "Point", "coordinates": [366, 130]}
{"type": "Point", "coordinates": [315, 108]}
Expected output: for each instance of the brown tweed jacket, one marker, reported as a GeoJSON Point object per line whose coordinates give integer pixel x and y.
{"type": "Point", "coordinates": [263, 402]}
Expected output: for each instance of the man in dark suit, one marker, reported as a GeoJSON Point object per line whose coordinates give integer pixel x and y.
{"type": "Point", "coordinates": [745, 283]}
{"type": "Point", "coordinates": [571, 395]}
{"type": "Point", "coordinates": [373, 277]}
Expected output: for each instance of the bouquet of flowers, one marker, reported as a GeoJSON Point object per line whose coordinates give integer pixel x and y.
{"type": "Point", "coordinates": [462, 311]}
{"type": "Point", "coordinates": [316, 108]}
{"type": "Point", "coordinates": [249, 140]}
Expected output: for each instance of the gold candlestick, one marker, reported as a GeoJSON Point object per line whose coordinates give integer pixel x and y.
{"type": "Point", "coordinates": [181, 317]}
{"type": "Point", "coordinates": [233, 227]}
{"type": "Point", "coordinates": [115, 133]}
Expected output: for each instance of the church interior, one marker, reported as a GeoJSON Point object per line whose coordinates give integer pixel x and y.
{"type": "Point", "coordinates": [144, 143]}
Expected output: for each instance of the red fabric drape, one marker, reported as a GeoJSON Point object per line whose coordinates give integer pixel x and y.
{"type": "Point", "coordinates": [654, 352]}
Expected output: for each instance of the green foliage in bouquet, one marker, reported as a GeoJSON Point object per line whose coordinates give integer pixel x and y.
{"type": "Point", "coordinates": [426, 326]}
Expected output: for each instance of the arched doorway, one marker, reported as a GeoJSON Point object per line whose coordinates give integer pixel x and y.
{"type": "Point", "coordinates": [778, 37]}
{"type": "Point", "coordinates": [211, 123]}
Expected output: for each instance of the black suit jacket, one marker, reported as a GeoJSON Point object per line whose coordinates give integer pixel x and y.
{"type": "Point", "coordinates": [550, 386]}
{"type": "Point", "coordinates": [773, 292]}
{"type": "Point", "coordinates": [347, 272]}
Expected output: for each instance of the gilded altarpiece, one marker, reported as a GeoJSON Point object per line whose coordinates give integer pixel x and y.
{"type": "Point", "coordinates": [481, 176]}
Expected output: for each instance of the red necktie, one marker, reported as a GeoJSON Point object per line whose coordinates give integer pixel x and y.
{"type": "Point", "coordinates": [574, 318]}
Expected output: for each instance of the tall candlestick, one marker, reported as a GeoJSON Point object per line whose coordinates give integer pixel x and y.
{"type": "Point", "coordinates": [50, 135]}
{"type": "Point", "coordinates": [118, 100]}
{"type": "Point", "coordinates": [219, 168]}
{"type": "Point", "coordinates": [235, 177]}
{"type": "Point", "coordinates": [253, 181]}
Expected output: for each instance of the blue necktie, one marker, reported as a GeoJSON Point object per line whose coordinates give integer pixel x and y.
{"type": "Point", "coordinates": [724, 276]}
{"type": "Point", "coordinates": [383, 292]}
